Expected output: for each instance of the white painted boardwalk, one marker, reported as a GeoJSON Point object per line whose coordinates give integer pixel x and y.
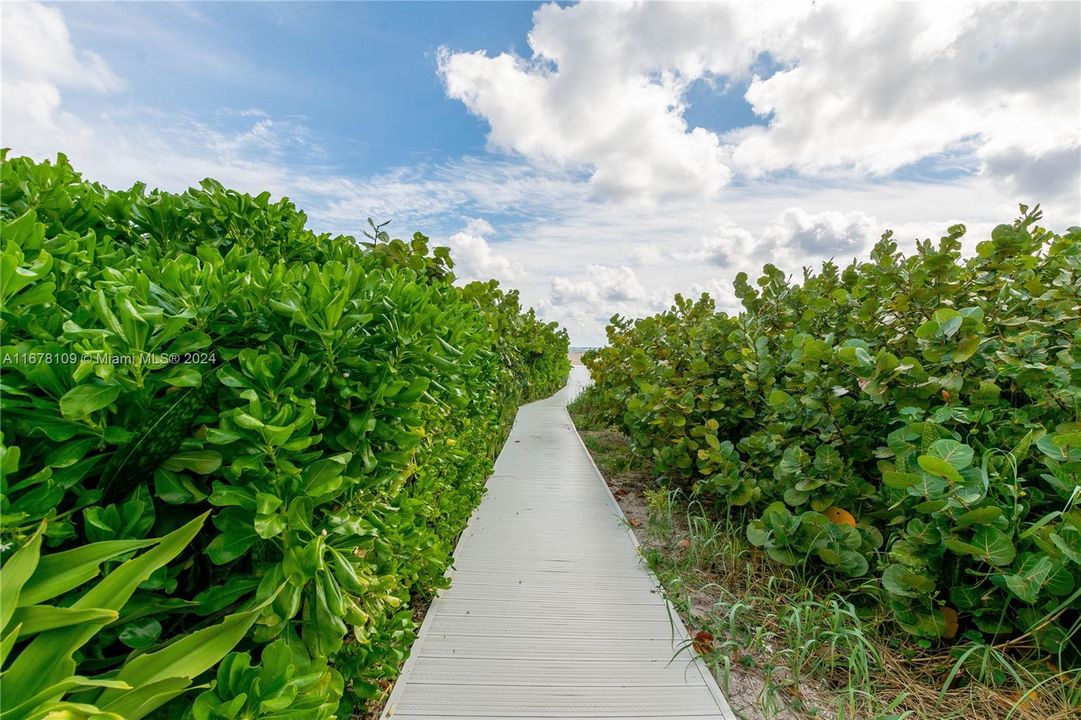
{"type": "Point", "coordinates": [551, 613]}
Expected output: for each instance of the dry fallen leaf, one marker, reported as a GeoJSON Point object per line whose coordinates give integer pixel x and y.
{"type": "Point", "coordinates": [703, 642]}
{"type": "Point", "coordinates": [685, 543]}
{"type": "Point", "coordinates": [635, 522]}
{"type": "Point", "coordinates": [949, 616]}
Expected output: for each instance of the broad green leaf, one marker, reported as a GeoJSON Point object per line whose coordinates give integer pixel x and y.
{"type": "Point", "coordinates": [989, 544]}
{"type": "Point", "coordinates": [778, 399]}
{"type": "Point", "coordinates": [325, 475]}
{"type": "Point", "coordinates": [1062, 447]}
{"type": "Point", "coordinates": [899, 580]}
{"type": "Point", "coordinates": [928, 330]}
{"type": "Point", "coordinates": [853, 563]}
{"type": "Point", "coordinates": [966, 348]}
{"type": "Point", "coordinates": [202, 462]}
{"type": "Point", "coordinates": [139, 702]}
{"type": "Point", "coordinates": [38, 618]}
{"type": "Point", "coordinates": [48, 658]}
{"type": "Point", "coordinates": [1030, 577]}
{"type": "Point", "coordinates": [185, 376]}
{"type": "Point", "coordinates": [939, 468]}
{"type": "Point", "coordinates": [931, 506]}
{"type": "Point", "coordinates": [237, 536]}
{"type": "Point", "coordinates": [782, 555]}
{"type": "Point", "coordinates": [900, 480]}
{"type": "Point", "coordinates": [757, 534]}
{"type": "Point", "coordinates": [69, 453]}
{"type": "Point", "coordinates": [979, 516]}
{"type": "Point", "coordinates": [1061, 582]}
{"type": "Point", "coordinates": [82, 400]}
{"type": "Point", "coordinates": [57, 573]}
{"type": "Point", "coordinates": [139, 633]}
{"type": "Point", "coordinates": [949, 321]}
{"type": "Point", "coordinates": [1063, 440]}
{"type": "Point", "coordinates": [958, 455]}
{"type": "Point", "coordinates": [1070, 550]}
{"type": "Point", "coordinates": [16, 572]}
{"type": "Point", "coordinates": [189, 656]}
{"type": "Point", "coordinates": [31, 707]}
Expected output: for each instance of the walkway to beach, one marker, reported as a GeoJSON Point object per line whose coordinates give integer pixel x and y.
{"type": "Point", "coordinates": [551, 613]}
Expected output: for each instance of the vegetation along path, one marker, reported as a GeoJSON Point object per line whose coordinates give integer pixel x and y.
{"type": "Point", "coordinates": [551, 613]}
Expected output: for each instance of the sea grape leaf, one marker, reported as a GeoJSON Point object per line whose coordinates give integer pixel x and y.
{"type": "Point", "coordinates": [989, 544]}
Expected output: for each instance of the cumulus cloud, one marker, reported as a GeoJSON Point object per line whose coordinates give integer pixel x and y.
{"type": "Point", "coordinates": [585, 99]}
{"type": "Point", "coordinates": [474, 258]}
{"type": "Point", "coordinates": [609, 284]}
{"type": "Point", "coordinates": [819, 235]}
{"type": "Point", "coordinates": [724, 247]}
{"type": "Point", "coordinates": [792, 238]}
{"type": "Point", "coordinates": [39, 60]}
{"type": "Point", "coordinates": [1033, 177]}
{"type": "Point", "coordinates": [855, 88]}
{"type": "Point", "coordinates": [616, 283]}
{"type": "Point", "coordinates": [568, 292]}
{"type": "Point", "coordinates": [37, 49]}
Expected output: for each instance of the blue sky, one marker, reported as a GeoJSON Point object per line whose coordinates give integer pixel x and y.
{"type": "Point", "coordinates": [600, 157]}
{"type": "Point", "coordinates": [360, 76]}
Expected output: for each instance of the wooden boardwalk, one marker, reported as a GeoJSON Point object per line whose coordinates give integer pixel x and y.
{"type": "Point", "coordinates": [551, 613]}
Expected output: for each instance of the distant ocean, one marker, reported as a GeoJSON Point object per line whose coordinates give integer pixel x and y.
{"type": "Point", "coordinates": [582, 348]}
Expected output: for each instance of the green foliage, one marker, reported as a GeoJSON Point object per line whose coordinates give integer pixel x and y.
{"type": "Point", "coordinates": [911, 419]}
{"type": "Point", "coordinates": [42, 679]}
{"type": "Point", "coordinates": [278, 688]}
{"type": "Point", "coordinates": [336, 406]}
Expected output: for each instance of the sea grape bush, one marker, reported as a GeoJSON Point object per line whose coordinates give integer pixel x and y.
{"type": "Point", "coordinates": [335, 406]}
{"type": "Point", "coordinates": [910, 423]}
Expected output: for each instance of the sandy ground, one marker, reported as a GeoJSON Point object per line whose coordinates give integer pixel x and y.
{"type": "Point", "coordinates": [576, 358]}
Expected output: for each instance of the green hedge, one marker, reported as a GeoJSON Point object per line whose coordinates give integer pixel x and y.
{"type": "Point", "coordinates": [336, 407]}
{"type": "Point", "coordinates": [910, 424]}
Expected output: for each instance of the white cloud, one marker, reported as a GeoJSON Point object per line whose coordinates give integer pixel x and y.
{"type": "Point", "coordinates": [567, 292]}
{"type": "Point", "coordinates": [792, 237]}
{"type": "Point", "coordinates": [608, 284]}
{"type": "Point", "coordinates": [616, 283]}
{"type": "Point", "coordinates": [860, 88]}
{"type": "Point", "coordinates": [38, 61]}
{"type": "Point", "coordinates": [722, 247]}
{"type": "Point", "coordinates": [705, 251]}
{"type": "Point", "coordinates": [474, 258]}
{"type": "Point", "coordinates": [37, 48]}
{"type": "Point", "coordinates": [1043, 175]}
{"type": "Point", "coordinates": [564, 106]}
{"type": "Point", "coordinates": [818, 235]}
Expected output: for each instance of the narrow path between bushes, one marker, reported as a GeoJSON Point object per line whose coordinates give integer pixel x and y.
{"type": "Point", "coordinates": [551, 613]}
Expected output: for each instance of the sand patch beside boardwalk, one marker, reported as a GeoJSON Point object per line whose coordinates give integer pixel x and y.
{"type": "Point", "coordinates": [575, 357]}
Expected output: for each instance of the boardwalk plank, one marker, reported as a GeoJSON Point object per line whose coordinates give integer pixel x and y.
{"type": "Point", "coordinates": [551, 612]}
